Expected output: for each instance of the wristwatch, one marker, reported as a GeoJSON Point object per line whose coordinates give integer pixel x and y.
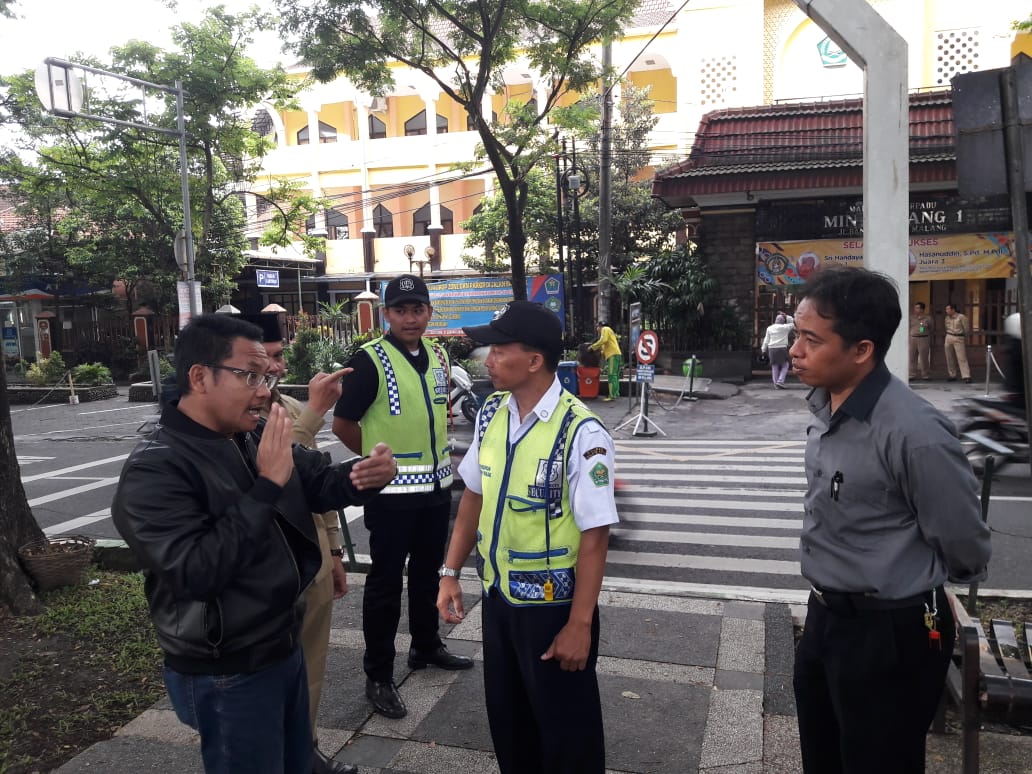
{"type": "Point", "coordinates": [337, 552]}
{"type": "Point", "coordinates": [448, 572]}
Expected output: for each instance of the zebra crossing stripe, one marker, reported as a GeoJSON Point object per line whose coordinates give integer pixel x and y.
{"type": "Point", "coordinates": [721, 563]}
{"type": "Point", "coordinates": [701, 520]}
{"type": "Point", "coordinates": [706, 538]}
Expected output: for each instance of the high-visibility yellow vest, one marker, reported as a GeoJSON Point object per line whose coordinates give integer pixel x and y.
{"type": "Point", "coordinates": [527, 538]}
{"type": "Point", "coordinates": [410, 414]}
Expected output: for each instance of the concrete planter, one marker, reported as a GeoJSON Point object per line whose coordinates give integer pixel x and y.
{"type": "Point", "coordinates": [22, 394]}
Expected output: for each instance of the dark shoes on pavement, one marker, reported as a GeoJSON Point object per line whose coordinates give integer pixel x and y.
{"type": "Point", "coordinates": [385, 698]}
{"type": "Point", "coordinates": [326, 765]}
{"type": "Point", "coordinates": [438, 658]}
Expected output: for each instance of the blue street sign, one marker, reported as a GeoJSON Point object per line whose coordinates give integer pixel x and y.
{"type": "Point", "coordinates": [267, 278]}
{"type": "Point", "coordinates": [645, 373]}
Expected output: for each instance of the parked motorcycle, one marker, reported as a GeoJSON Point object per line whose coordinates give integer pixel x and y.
{"type": "Point", "coordinates": [462, 396]}
{"type": "Point", "coordinates": [995, 426]}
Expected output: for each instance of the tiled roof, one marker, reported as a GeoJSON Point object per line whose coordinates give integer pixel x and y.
{"type": "Point", "coordinates": [777, 147]}
{"type": "Point", "coordinates": [9, 218]}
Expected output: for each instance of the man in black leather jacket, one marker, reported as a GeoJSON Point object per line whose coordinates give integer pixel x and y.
{"type": "Point", "coordinates": [220, 518]}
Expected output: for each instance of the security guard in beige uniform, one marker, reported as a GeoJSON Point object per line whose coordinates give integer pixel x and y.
{"type": "Point", "coordinates": [332, 581]}
{"type": "Point", "coordinates": [538, 505]}
{"type": "Point", "coordinates": [921, 329]}
{"type": "Point", "coordinates": [957, 331]}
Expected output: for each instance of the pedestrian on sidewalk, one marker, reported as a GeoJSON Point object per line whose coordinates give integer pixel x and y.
{"type": "Point", "coordinates": [538, 505]}
{"type": "Point", "coordinates": [957, 332]}
{"type": "Point", "coordinates": [221, 521]}
{"type": "Point", "coordinates": [608, 345]}
{"type": "Point", "coordinates": [398, 394]}
{"type": "Point", "coordinates": [890, 514]}
{"type": "Point", "coordinates": [331, 582]}
{"type": "Point", "coordinates": [921, 329]}
{"type": "Point", "coordinates": [775, 345]}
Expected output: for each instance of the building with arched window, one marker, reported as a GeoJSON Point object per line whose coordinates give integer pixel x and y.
{"type": "Point", "coordinates": [391, 173]}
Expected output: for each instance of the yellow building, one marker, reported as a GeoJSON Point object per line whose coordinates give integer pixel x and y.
{"type": "Point", "coordinates": [389, 174]}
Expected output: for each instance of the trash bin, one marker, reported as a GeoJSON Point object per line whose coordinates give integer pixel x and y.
{"type": "Point", "coordinates": [587, 381]}
{"type": "Point", "coordinates": [686, 368]}
{"type": "Point", "coordinates": [568, 375]}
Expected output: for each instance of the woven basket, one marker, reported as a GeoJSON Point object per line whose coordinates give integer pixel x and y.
{"type": "Point", "coordinates": [58, 561]}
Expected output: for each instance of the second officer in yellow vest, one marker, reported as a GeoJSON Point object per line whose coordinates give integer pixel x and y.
{"type": "Point", "coordinates": [399, 391]}
{"type": "Point", "coordinates": [537, 507]}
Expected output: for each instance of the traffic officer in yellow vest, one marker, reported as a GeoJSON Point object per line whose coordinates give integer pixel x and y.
{"type": "Point", "coordinates": [538, 505]}
{"type": "Point", "coordinates": [398, 395]}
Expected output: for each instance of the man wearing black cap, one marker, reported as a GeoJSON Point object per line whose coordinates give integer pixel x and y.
{"type": "Point", "coordinates": [538, 505]}
{"type": "Point", "coordinates": [398, 394]}
{"type": "Point", "coordinates": [331, 582]}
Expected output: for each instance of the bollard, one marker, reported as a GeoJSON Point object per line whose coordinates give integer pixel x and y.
{"type": "Point", "coordinates": [73, 399]}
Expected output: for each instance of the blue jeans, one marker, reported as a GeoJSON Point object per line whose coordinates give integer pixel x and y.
{"type": "Point", "coordinates": [256, 722]}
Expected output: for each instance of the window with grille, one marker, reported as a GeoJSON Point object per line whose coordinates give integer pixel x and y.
{"type": "Point", "coordinates": [383, 221]}
{"type": "Point", "coordinates": [377, 128]}
{"type": "Point", "coordinates": [421, 221]}
{"type": "Point", "coordinates": [327, 133]}
{"type": "Point", "coordinates": [417, 124]}
{"type": "Point", "coordinates": [956, 52]}
{"type": "Point", "coordinates": [718, 79]}
{"type": "Point", "coordinates": [337, 225]}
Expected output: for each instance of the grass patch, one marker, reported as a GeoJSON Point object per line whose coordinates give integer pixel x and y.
{"type": "Point", "coordinates": [75, 674]}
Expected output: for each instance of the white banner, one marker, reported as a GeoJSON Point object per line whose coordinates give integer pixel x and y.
{"type": "Point", "coordinates": [184, 301]}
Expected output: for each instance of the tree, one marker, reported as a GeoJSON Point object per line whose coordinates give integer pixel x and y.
{"type": "Point", "coordinates": [463, 46]}
{"type": "Point", "coordinates": [110, 193]}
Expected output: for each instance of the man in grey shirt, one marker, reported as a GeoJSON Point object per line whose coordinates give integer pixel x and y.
{"type": "Point", "coordinates": [891, 513]}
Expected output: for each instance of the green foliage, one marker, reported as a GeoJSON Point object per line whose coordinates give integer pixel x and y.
{"type": "Point", "coordinates": [464, 48]}
{"type": "Point", "coordinates": [47, 371]}
{"type": "Point", "coordinates": [91, 375]}
{"type": "Point", "coordinates": [358, 341]}
{"type": "Point", "coordinates": [457, 347]}
{"type": "Point", "coordinates": [681, 300]}
{"type": "Point", "coordinates": [102, 203]}
{"type": "Point", "coordinates": [310, 352]}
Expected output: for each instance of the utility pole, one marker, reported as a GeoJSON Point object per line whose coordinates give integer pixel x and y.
{"type": "Point", "coordinates": [605, 200]}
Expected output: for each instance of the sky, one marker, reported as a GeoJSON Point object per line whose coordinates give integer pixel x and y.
{"type": "Point", "coordinates": [60, 28]}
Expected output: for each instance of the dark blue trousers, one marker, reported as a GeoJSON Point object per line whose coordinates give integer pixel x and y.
{"type": "Point", "coordinates": [256, 722]}
{"type": "Point", "coordinates": [543, 720]}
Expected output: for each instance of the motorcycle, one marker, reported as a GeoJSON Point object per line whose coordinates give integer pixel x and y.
{"type": "Point", "coordinates": [462, 397]}
{"type": "Point", "coordinates": [995, 426]}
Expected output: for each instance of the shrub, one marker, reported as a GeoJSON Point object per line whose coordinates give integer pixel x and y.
{"type": "Point", "coordinates": [91, 375]}
{"type": "Point", "coordinates": [46, 371]}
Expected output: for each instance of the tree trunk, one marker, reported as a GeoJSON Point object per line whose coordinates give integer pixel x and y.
{"type": "Point", "coordinates": [17, 524]}
{"type": "Point", "coordinates": [515, 203]}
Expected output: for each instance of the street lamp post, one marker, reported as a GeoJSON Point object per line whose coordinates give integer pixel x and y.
{"type": "Point", "coordinates": [61, 92]}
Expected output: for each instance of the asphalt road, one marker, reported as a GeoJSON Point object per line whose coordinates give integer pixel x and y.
{"type": "Point", "coordinates": [714, 504]}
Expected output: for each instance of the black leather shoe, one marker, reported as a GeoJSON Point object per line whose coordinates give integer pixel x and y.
{"type": "Point", "coordinates": [385, 698]}
{"type": "Point", "coordinates": [326, 765]}
{"type": "Point", "coordinates": [438, 658]}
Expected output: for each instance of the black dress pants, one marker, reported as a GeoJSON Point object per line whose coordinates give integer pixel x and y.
{"type": "Point", "coordinates": [419, 535]}
{"type": "Point", "coordinates": [867, 685]}
{"type": "Point", "coordinates": [543, 720]}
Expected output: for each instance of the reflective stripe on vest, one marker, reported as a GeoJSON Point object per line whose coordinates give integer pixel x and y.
{"type": "Point", "coordinates": [406, 402]}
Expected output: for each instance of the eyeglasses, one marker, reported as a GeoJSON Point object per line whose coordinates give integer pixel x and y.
{"type": "Point", "coordinates": [252, 379]}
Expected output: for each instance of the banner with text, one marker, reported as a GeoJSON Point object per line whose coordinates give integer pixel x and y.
{"type": "Point", "coordinates": [474, 300]}
{"type": "Point", "coordinates": [954, 256]}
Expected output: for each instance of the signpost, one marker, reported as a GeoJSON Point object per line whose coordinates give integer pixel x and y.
{"type": "Point", "coordinates": [646, 350]}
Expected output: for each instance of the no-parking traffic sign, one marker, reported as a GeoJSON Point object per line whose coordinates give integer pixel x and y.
{"type": "Point", "coordinates": [647, 348]}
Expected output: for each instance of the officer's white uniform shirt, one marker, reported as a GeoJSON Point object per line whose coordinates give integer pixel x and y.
{"type": "Point", "coordinates": [592, 503]}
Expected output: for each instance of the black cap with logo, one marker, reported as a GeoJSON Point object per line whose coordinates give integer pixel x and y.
{"type": "Point", "coordinates": [524, 322]}
{"type": "Point", "coordinates": [406, 289]}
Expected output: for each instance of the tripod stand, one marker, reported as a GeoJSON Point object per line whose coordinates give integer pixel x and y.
{"type": "Point", "coordinates": [642, 418]}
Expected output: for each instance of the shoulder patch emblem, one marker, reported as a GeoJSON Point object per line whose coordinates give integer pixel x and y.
{"type": "Point", "coordinates": [600, 475]}
{"type": "Point", "coordinates": [594, 452]}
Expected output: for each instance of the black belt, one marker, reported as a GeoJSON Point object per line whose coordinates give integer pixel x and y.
{"type": "Point", "coordinates": [859, 602]}
{"type": "Point", "coordinates": [919, 336]}
{"type": "Point", "coordinates": [958, 335]}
